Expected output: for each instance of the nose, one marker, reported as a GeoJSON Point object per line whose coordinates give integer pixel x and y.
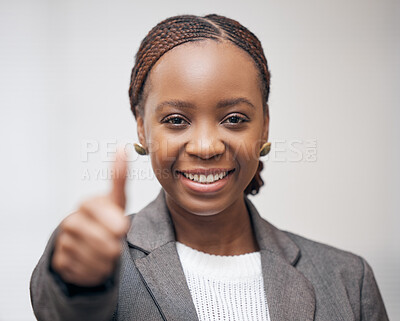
{"type": "Point", "coordinates": [205, 144]}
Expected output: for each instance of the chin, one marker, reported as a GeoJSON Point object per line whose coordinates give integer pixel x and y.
{"type": "Point", "coordinates": [206, 205]}
{"type": "Point", "coordinates": [203, 209]}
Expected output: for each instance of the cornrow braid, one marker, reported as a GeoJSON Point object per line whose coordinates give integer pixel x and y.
{"type": "Point", "coordinates": [163, 37]}
{"type": "Point", "coordinates": [245, 39]}
{"type": "Point", "coordinates": [178, 30]}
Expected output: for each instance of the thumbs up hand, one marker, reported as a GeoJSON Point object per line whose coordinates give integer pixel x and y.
{"type": "Point", "coordinates": [88, 243]}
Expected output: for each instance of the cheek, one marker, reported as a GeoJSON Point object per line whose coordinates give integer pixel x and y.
{"type": "Point", "coordinates": [248, 160]}
{"type": "Point", "coordinates": [246, 151]}
{"type": "Point", "coordinates": [247, 147]}
{"type": "Point", "coordinates": [163, 153]}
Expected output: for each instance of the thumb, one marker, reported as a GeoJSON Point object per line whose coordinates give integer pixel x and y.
{"type": "Point", "coordinates": [120, 169]}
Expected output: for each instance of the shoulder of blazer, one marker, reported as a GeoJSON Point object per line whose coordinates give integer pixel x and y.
{"type": "Point", "coordinates": [332, 271]}
{"type": "Point", "coordinates": [321, 254]}
{"type": "Point", "coordinates": [342, 276]}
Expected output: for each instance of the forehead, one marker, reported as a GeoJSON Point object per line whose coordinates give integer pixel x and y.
{"type": "Point", "coordinates": [205, 69]}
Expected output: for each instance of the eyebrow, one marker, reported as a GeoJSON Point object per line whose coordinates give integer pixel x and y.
{"type": "Point", "coordinates": [221, 104]}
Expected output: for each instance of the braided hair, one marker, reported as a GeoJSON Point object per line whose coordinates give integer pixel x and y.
{"type": "Point", "coordinates": [177, 30]}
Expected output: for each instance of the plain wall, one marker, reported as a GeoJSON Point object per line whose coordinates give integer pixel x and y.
{"type": "Point", "coordinates": [334, 105]}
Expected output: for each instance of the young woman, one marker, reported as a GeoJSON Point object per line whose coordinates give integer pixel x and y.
{"type": "Point", "coordinates": [200, 251]}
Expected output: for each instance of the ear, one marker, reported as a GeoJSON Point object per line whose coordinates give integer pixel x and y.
{"type": "Point", "coordinates": [141, 131]}
{"type": "Point", "coordinates": [265, 132]}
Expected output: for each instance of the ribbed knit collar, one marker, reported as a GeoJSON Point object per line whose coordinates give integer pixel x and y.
{"type": "Point", "coordinates": [222, 267]}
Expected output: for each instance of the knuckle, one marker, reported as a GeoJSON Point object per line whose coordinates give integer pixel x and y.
{"type": "Point", "coordinates": [121, 226]}
{"type": "Point", "coordinates": [59, 263]}
{"type": "Point", "coordinates": [114, 250]}
{"type": "Point", "coordinates": [86, 206]}
{"type": "Point", "coordinates": [63, 242]}
{"type": "Point", "coordinates": [72, 222]}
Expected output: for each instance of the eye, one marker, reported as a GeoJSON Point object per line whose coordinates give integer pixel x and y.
{"type": "Point", "coordinates": [175, 121]}
{"type": "Point", "coordinates": [235, 119]}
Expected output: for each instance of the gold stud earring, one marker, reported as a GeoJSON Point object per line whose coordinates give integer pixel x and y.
{"type": "Point", "coordinates": [265, 149]}
{"type": "Point", "coordinates": [140, 149]}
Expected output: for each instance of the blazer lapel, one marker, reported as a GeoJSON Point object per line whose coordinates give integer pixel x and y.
{"type": "Point", "coordinates": [152, 232]}
{"type": "Point", "coordinates": [290, 296]}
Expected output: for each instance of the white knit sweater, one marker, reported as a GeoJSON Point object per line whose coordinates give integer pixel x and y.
{"type": "Point", "coordinates": [225, 287]}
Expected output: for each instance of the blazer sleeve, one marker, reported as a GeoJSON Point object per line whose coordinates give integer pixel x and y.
{"type": "Point", "coordinates": [52, 299]}
{"type": "Point", "coordinates": [372, 306]}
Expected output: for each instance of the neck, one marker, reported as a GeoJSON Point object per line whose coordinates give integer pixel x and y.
{"type": "Point", "coordinates": [228, 232]}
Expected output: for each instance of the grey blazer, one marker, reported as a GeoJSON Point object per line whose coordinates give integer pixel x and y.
{"type": "Point", "coordinates": [303, 280]}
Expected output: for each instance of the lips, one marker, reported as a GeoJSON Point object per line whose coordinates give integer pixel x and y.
{"type": "Point", "coordinates": [205, 180]}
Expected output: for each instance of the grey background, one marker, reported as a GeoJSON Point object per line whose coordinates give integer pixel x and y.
{"type": "Point", "coordinates": [64, 76]}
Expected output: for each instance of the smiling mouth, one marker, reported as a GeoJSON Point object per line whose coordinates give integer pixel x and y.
{"type": "Point", "coordinates": [206, 178]}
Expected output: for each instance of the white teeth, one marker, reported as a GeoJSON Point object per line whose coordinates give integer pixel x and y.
{"type": "Point", "coordinates": [205, 179]}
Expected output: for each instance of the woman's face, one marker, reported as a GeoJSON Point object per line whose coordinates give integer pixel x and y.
{"type": "Point", "coordinates": [203, 125]}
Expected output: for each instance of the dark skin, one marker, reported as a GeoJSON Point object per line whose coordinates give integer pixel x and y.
{"type": "Point", "coordinates": [221, 234]}
{"type": "Point", "coordinates": [198, 133]}
{"type": "Point", "coordinates": [217, 128]}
